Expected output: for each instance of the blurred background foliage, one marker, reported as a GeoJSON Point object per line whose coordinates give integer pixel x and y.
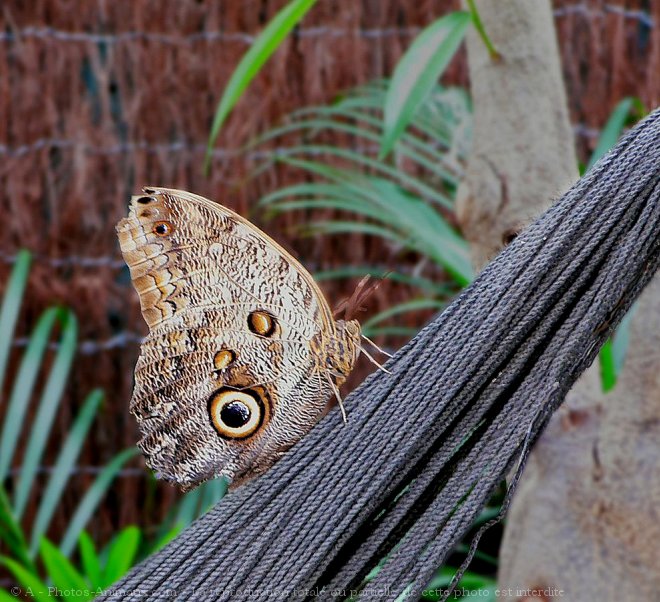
{"type": "Point", "coordinates": [329, 138]}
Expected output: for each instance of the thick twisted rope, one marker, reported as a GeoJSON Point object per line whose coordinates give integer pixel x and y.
{"type": "Point", "coordinates": [425, 446]}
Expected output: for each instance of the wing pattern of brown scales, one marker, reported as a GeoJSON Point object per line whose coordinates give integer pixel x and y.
{"type": "Point", "coordinates": [242, 352]}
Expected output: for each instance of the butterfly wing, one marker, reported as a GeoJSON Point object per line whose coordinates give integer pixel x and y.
{"type": "Point", "coordinates": [233, 370]}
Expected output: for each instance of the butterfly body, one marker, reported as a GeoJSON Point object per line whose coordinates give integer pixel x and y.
{"type": "Point", "coordinates": [242, 352]}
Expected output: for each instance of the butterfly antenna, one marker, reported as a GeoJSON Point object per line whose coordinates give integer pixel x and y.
{"type": "Point", "coordinates": [373, 361]}
{"type": "Point", "coordinates": [366, 338]}
{"type": "Point", "coordinates": [339, 399]}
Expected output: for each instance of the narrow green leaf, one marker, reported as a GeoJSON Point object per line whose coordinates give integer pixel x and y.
{"type": "Point", "coordinates": [121, 554]}
{"type": "Point", "coordinates": [50, 401]}
{"type": "Point", "coordinates": [214, 491]}
{"type": "Point", "coordinates": [427, 229]}
{"type": "Point", "coordinates": [402, 308]}
{"type": "Point", "coordinates": [607, 369]}
{"type": "Point", "coordinates": [420, 282]}
{"type": "Point", "coordinates": [409, 146]}
{"type": "Point", "coordinates": [478, 554]}
{"type": "Point", "coordinates": [253, 60]}
{"type": "Point", "coordinates": [168, 536]}
{"type": "Point", "coordinates": [488, 513]}
{"type": "Point", "coordinates": [409, 220]}
{"type": "Point", "coordinates": [481, 30]}
{"type": "Point", "coordinates": [23, 387]}
{"type": "Point", "coordinates": [12, 535]}
{"type": "Point", "coordinates": [5, 596]}
{"type": "Point", "coordinates": [612, 355]}
{"type": "Point", "coordinates": [91, 563]}
{"type": "Point", "coordinates": [91, 499]}
{"type": "Point", "coordinates": [359, 206]}
{"type": "Point", "coordinates": [28, 580]}
{"type": "Point", "coordinates": [612, 130]}
{"type": "Point", "coordinates": [63, 574]}
{"type": "Point", "coordinates": [390, 331]}
{"type": "Point", "coordinates": [305, 189]}
{"type": "Point", "coordinates": [621, 341]}
{"type": "Point", "coordinates": [403, 218]}
{"type": "Point", "coordinates": [399, 176]}
{"type": "Point", "coordinates": [64, 465]}
{"type": "Point", "coordinates": [189, 508]}
{"type": "Point", "coordinates": [11, 305]}
{"type": "Point", "coordinates": [418, 71]}
{"type": "Point", "coordinates": [346, 227]}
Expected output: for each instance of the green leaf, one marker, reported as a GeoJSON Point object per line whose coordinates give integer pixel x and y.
{"type": "Point", "coordinates": [478, 554]}
{"type": "Point", "coordinates": [63, 574]}
{"type": "Point", "coordinates": [346, 227]}
{"type": "Point", "coordinates": [305, 189]}
{"type": "Point", "coordinates": [23, 387]}
{"type": "Point", "coordinates": [420, 282]}
{"type": "Point", "coordinates": [409, 221]}
{"type": "Point", "coordinates": [404, 218]}
{"type": "Point", "coordinates": [253, 60]}
{"type": "Point", "coordinates": [11, 305]}
{"type": "Point", "coordinates": [613, 353]}
{"type": "Point", "coordinates": [621, 341]}
{"type": "Point", "coordinates": [12, 535]}
{"type": "Point", "coordinates": [414, 148]}
{"type": "Point", "coordinates": [28, 580]}
{"type": "Point", "coordinates": [390, 331]}
{"type": "Point", "coordinates": [358, 206]}
{"type": "Point", "coordinates": [5, 596]}
{"type": "Point", "coordinates": [402, 308]}
{"type": "Point", "coordinates": [401, 177]}
{"type": "Point", "coordinates": [479, 26]}
{"type": "Point", "coordinates": [121, 554]}
{"type": "Point", "coordinates": [429, 231]}
{"type": "Point", "coordinates": [486, 514]}
{"type": "Point", "coordinates": [91, 563]}
{"type": "Point", "coordinates": [91, 499]}
{"type": "Point", "coordinates": [607, 368]}
{"type": "Point", "coordinates": [50, 400]}
{"type": "Point", "coordinates": [214, 491]}
{"type": "Point", "coordinates": [418, 71]}
{"type": "Point", "coordinates": [612, 130]}
{"type": "Point", "coordinates": [64, 465]}
{"type": "Point", "coordinates": [168, 536]}
{"type": "Point", "coordinates": [189, 508]}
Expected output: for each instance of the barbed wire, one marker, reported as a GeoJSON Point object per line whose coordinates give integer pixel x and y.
{"type": "Point", "coordinates": [205, 36]}
{"type": "Point", "coordinates": [304, 32]}
{"type": "Point", "coordinates": [70, 261]}
{"type": "Point", "coordinates": [157, 148]}
{"type": "Point", "coordinates": [121, 340]}
{"type": "Point", "coordinates": [581, 130]}
{"type": "Point", "coordinates": [84, 470]}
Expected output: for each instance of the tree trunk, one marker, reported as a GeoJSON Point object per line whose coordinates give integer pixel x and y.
{"type": "Point", "coordinates": [523, 156]}
{"type": "Point", "coordinates": [585, 517]}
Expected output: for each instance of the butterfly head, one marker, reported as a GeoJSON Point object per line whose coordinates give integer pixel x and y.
{"type": "Point", "coordinates": [342, 350]}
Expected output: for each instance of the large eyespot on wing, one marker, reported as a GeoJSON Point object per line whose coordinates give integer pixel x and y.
{"type": "Point", "coordinates": [236, 414]}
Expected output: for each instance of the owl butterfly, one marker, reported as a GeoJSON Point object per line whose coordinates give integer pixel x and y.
{"type": "Point", "coordinates": [242, 352]}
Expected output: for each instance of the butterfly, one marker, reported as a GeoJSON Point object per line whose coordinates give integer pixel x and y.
{"type": "Point", "coordinates": [243, 352]}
